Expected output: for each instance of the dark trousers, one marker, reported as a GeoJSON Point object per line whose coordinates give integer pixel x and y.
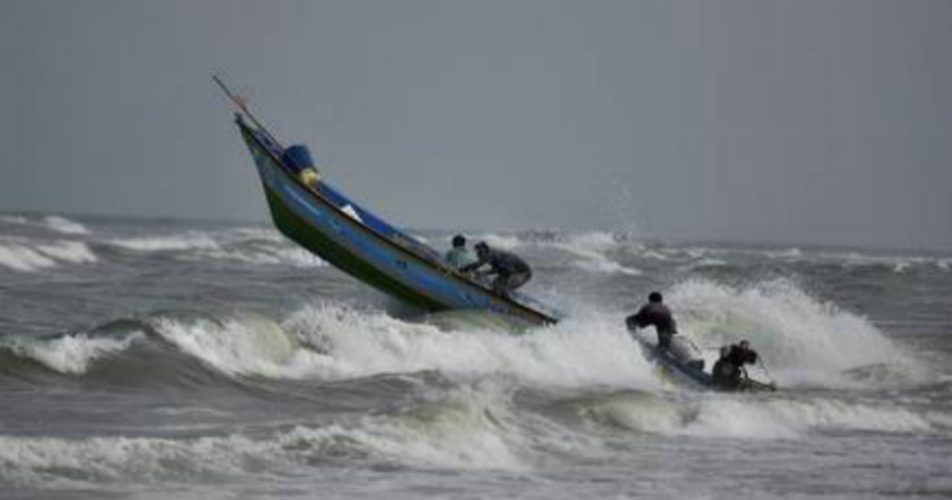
{"type": "Point", "coordinates": [505, 283]}
{"type": "Point", "coordinates": [664, 339]}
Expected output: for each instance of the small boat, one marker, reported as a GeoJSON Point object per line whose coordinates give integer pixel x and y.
{"type": "Point", "coordinates": [326, 222]}
{"type": "Point", "coordinates": [690, 373]}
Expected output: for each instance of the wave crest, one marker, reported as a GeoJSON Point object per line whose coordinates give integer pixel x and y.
{"type": "Point", "coordinates": [802, 339]}
{"type": "Point", "coordinates": [20, 254]}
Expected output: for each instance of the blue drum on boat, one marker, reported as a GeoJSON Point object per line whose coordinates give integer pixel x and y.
{"type": "Point", "coordinates": [298, 157]}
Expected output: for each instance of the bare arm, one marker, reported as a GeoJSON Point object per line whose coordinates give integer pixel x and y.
{"type": "Point", "coordinates": [472, 267]}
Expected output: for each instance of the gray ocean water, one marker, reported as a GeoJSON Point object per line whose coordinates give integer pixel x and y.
{"type": "Point", "coordinates": [160, 359]}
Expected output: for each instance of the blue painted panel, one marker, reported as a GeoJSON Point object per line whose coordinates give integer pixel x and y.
{"type": "Point", "coordinates": [419, 277]}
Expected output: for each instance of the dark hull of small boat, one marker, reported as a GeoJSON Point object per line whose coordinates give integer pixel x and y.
{"type": "Point", "coordinates": [690, 376]}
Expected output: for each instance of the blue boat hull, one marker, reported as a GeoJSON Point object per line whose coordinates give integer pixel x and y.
{"type": "Point", "coordinates": [358, 242]}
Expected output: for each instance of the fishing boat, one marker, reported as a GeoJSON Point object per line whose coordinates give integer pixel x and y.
{"type": "Point", "coordinates": [323, 220]}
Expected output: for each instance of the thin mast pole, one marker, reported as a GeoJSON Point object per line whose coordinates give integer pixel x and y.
{"type": "Point", "coordinates": [242, 105]}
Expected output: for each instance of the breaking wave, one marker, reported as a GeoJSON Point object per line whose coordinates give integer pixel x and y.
{"type": "Point", "coordinates": [56, 223]}
{"type": "Point", "coordinates": [804, 340]}
{"type": "Point", "coordinates": [589, 251]}
{"type": "Point", "coordinates": [191, 240]}
{"type": "Point", "coordinates": [332, 342]}
{"type": "Point", "coordinates": [256, 246]}
{"type": "Point", "coordinates": [70, 354]}
{"type": "Point", "coordinates": [464, 427]}
{"type": "Point", "coordinates": [585, 382]}
{"type": "Point", "coordinates": [264, 255]}
{"type": "Point", "coordinates": [21, 254]}
{"type": "Point", "coordinates": [361, 344]}
{"type": "Point", "coordinates": [64, 225]}
{"type": "Point", "coordinates": [747, 417]}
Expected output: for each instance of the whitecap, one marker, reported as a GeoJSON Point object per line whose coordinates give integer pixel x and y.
{"type": "Point", "coordinates": [736, 417]}
{"type": "Point", "coordinates": [13, 219]}
{"type": "Point", "coordinates": [590, 247]}
{"type": "Point", "coordinates": [178, 242]}
{"type": "Point", "coordinates": [266, 255]}
{"type": "Point", "coordinates": [359, 343]}
{"type": "Point", "coordinates": [71, 354]}
{"type": "Point", "coordinates": [593, 240]}
{"type": "Point", "coordinates": [64, 225]}
{"type": "Point", "coordinates": [505, 242]}
{"type": "Point", "coordinates": [600, 264]}
{"type": "Point", "coordinates": [21, 257]}
{"type": "Point", "coordinates": [242, 344]}
{"type": "Point", "coordinates": [21, 254]}
{"type": "Point", "coordinates": [802, 339]}
{"type": "Point", "coordinates": [68, 251]}
{"type": "Point", "coordinates": [789, 254]}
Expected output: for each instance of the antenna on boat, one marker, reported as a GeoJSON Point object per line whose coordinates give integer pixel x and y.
{"type": "Point", "coordinates": [242, 105]}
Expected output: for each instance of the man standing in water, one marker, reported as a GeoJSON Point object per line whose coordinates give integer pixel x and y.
{"type": "Point", "coordinates": [656, 314]}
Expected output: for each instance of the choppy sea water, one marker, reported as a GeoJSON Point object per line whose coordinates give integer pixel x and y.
{"type": "Point", "coordinates": [157, 359]}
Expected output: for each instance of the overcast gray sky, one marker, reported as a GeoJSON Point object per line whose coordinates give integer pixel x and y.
{"type": "Point", "coordinates": [793, 121]}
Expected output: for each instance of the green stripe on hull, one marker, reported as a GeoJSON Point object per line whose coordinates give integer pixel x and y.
{"type": "Point", "coordinates": [298, 230]}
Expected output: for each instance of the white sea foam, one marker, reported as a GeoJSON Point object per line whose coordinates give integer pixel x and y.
{"type": "Point", "coordinates": [703, 263]}
{"type": "Point", "coordinates": [801, 338]}
{"type": "Point", "coordinates": [598, 263]}
{"type": "Point", "coordinates": [442, 434]}
{"type": "Point", "coordinates": [68, 251]}
{"type": "Point", "coordinates": [330, 341]}
{"type": "Point", "coordinates": [645, 412]}
{"type": "Point", "coordinates": [245, 344]}
{"type": "Point", "coordinates": [254, 233]}
{"type": "Point", "coordinates": [744, 418]}
{"type": "Point", "coordinates": [266, 255]}
{"type": "Point", "coordinates": [589, 249]}
{"type": "Point", "coordinates": [64, 225]}
{"type": "Point", "coordinates": [22, 257]}
{"type": "Point", "coordinates": [21, 254]}
{"type": "Point", "coordinates": [41, 460]}
{"type": "Point", "coordinates": [788, 254]}
{"type": "Point", "coordinates": [359, 344]}
{"type": "Point", "coordinates": [505, 242]}
{"type": "Point", "coordinates": [898, 263]}
{"type": "Point", "coordinates": [466, 427]}
{"type": "Point", "coordinates": [593, 240]}
{"type": "Point", "coordinates": [55, 222]}
{"type": "Point", "coordinates": [72, 354]}
{"type": "Point", "coordinates": [653, 254]}
{"type": "Point", "coordinates": [13, 219]}
{"type": "Point", "coordinates": [255, 246]}
{"type": "Point", "coordinates": [191, 240]}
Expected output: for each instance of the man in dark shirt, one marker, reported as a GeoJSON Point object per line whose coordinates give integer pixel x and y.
{"type": "Point", "coordinates": [729, 371]}
{"type": "Point", "coordinates": [510, 270]}
{"type": "Point", "coordinates": [656, 314]}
